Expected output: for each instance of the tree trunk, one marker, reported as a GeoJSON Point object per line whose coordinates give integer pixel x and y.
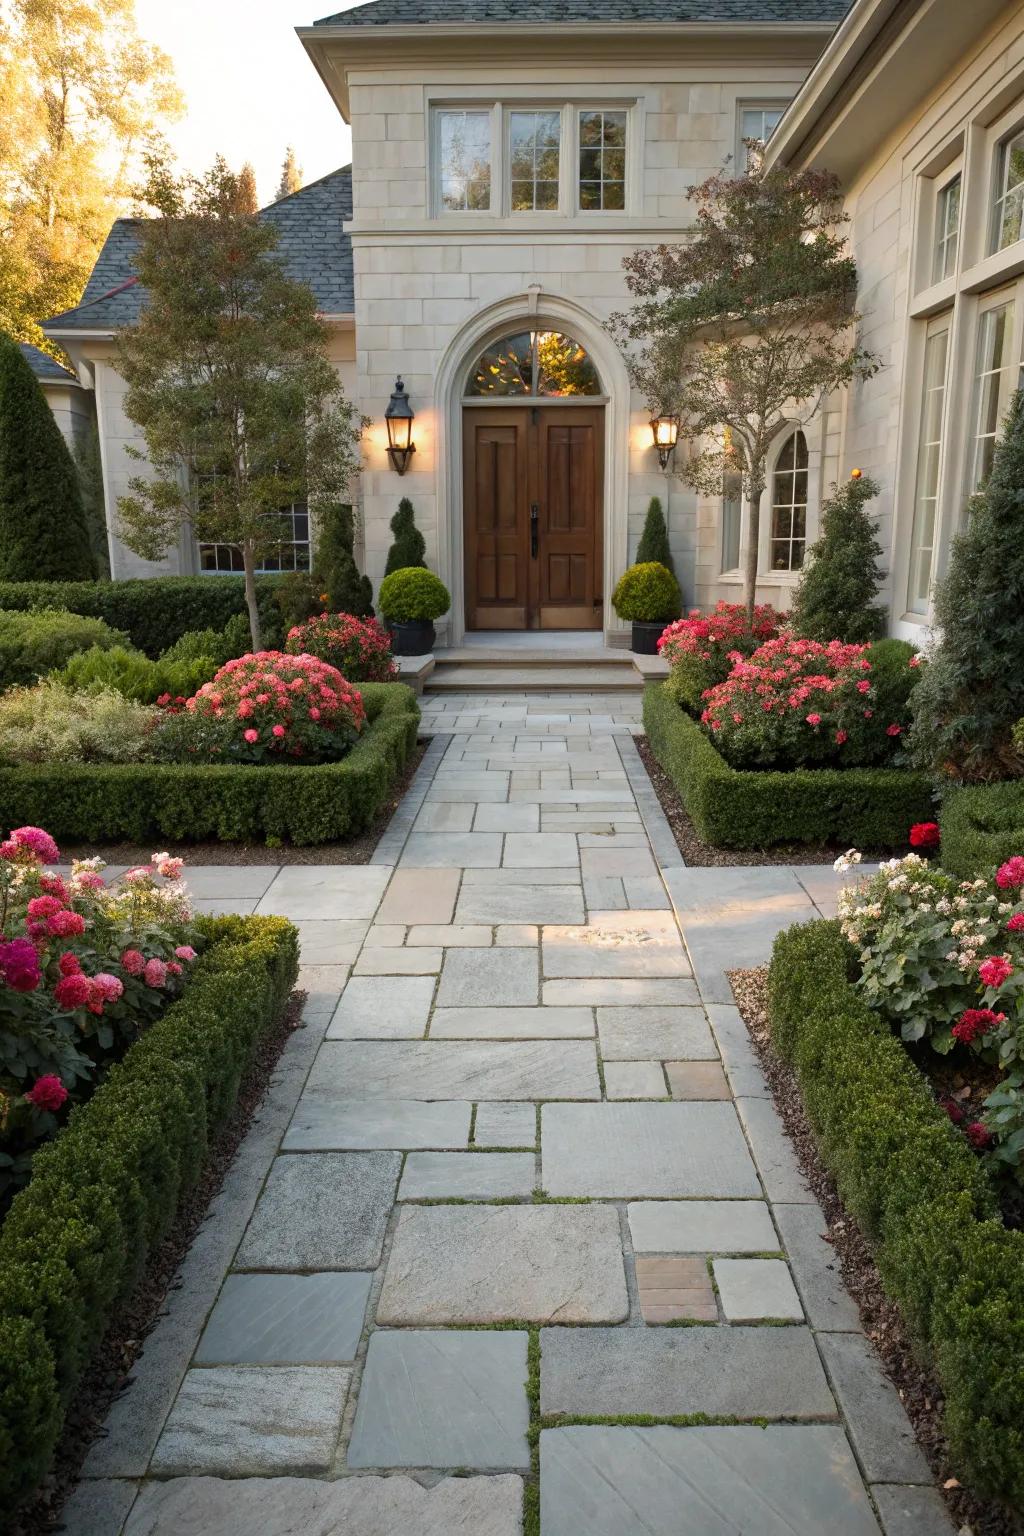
{"type": "Point", "coordinates": [753, 544]}
{"type": "Point", "coordinates": [249, 566]}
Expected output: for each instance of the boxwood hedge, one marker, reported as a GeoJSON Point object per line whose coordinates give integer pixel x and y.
{"type": "Point", "coordinates": [981, 827]}
{"type": "Point", "coordinates": [918, 1193]}
{"type": "Point", "coordinates": [106, 1190]}
{"type": "Point", "coordinates": [862, 807]}
{"type": "Point", "coordinates": [231, 802]}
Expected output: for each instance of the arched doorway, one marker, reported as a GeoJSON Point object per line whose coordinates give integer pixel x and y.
{"type": "Point", "coordinates": [533, 484]}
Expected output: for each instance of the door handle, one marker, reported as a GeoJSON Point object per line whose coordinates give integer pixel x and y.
{"type": "Point", "coordinates": [534, 529]}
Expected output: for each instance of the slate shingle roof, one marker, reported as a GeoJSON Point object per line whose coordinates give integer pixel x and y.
{"type": "Point", "coordinates": [383, 13]}
{"type": "Point", "coordinates": [310, 242]}
{"type": "Point", "coordinates": [46, 368]}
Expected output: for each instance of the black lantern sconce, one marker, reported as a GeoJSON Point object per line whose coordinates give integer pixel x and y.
{"type": "Point", "coordinates": [399, 418]}
{"type": "Point", "coordinates": [665, 435]}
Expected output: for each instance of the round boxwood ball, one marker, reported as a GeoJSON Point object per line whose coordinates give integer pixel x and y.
{"type": "Point", "coordinates": [411, 594]}
{"type": "Point", "coordinates": [647, 593]}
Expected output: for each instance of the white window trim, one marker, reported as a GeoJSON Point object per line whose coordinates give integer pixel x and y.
{"type": "Point", "coordinates": [954, 173]}
{"type": "Point", "coordinates": [436, 203]}
{"type": "Point", "coordinates": [765, 571]}
{"type": "Point", "coordinates": [1013, 297]}
{"type": "Point", "coordinates": [940, 325]}
{"type": "Point", "coordinates": [536, 215]}
{"type": "Point", "coordinates": [753, 104]}
{"type": "Point", "coordinates": [634, 171]}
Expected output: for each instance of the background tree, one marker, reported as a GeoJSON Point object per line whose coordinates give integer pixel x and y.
{"type": "Point", "coordinates": [409, 547]}
{"type": "Point", "coordinates": [229, 382]}
{"type": "Point", "coordinates": [81, 94]}
{"type": "Point", "coordinates": [346, 590]}
{"type": "Point", "coordinates": [89, 467]}
{"type": "Point", "coordinates": [43, 533]}
{"type": "Point", "coordinates": [747, 327]}
{"type": "Point", "coordinates": [836, 596]}
{"type": "Point", "coordinates": [972, 691]}
{"type": "Point", "coordinates": [654, 539]}
{"type": "Point", "coordinates": [291, 175]}
{"type": "Point", "coordinates": [247, 200]}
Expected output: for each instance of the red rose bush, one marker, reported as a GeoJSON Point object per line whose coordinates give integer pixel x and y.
{"type": "Point", "coordinates": [359, 648]}
{"type": "Point", "coordinates": [700, 648]}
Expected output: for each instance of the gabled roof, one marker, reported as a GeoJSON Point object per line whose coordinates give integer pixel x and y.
{"type": "Point", "coordinates": [311, 243]}
{"type": "Point", "coordinates": [46, 368]}
{"type": "Point", "coordinates": [383, 13]}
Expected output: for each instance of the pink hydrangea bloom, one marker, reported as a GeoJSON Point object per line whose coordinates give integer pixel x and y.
{"type": "Point", "coordinates": [110, 988]}
{"type": "Point", "coordinates": [69, 964]}
{"type": "Point", "coordinates": [1010, 875]}
{"type": "Point", "coordinates": [66, 925]}
{"type": "Point", "coordinates": [19, 965]}
{"type": "Point", "coordinates": [251, 735]}
{"type": "Point", "coordinates": [44, 906]}
{"type": "Point", "coordinates": [995, 970]}
{"type": "Point", "coordinates": [134, 962]}
{"type": "Point", "coordinates": [185, 952]}
{"type": "Point", "coordinates": [155, 973]}
{"type": "Point", "coordinates": [35, 841]}
{"type": "Point", "coordinates": [72, 992]}
{"type": "Point", "coordinates": [47, 1093]}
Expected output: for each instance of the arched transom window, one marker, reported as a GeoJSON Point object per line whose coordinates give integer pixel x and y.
{"type": "Point", "coordinates": [546, 363]}
{"type": "Point", "coordinates": [789, 505]}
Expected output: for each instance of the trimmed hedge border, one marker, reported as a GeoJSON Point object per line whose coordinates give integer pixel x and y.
{"type": "Point", "coordinates": [919, 1194]}
{"type": "Point", "coordinates": [230, 802]}
{"type": "Point", "coordinates": [982, 827]}
{"type": "Point", "coordinates": [733, 808]}
{"type": "Point", "coordinates": [106, 1190]}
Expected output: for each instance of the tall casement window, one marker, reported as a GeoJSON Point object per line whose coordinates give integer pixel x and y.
{"type": "Point", "coordinates": [947, 230]}
{"type": "Point", "coordinates": [1009, 193]}
{"type": "Point", "coordinates": [602, 178]}
{"type": "Point", "coordinates": [789, 505]}
{"type": "Point", "coordinates": [732, 519]}
{"type": "Point", "coordinates": [758, 122]}
{"type": "Point", "coordinates": [534, 140]}
{"type": "Point", "coordinates": [994, 377]}
{"type": "Point", "coordinates": [929, 457]}
{"type": "Point", "coordinates": [463, 160]}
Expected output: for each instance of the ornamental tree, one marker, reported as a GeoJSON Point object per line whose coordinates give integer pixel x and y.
{"type": "Point", "coordinates": [229, 381]}
{"type": "Point", "coordinates": [747, 327]}
{"type": "Point", "coordinates": [654, 539]}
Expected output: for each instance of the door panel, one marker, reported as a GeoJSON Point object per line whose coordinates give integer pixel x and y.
{"type": "Point", "coordinates": [496, 480]}
{"type": "Point", "coordinates": [569, 456]}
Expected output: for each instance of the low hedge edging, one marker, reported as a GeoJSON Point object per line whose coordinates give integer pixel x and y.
{"type": "Point", "coordinates": [106, 1190]}
{"type": "Point", "coordinates": [321, 803]}
{"type": "Point", "coordinates": [918, 1193]}
{"type": "Point", "coordinates": [982, 826]}
{"type": "Point", "coordinates": [734, 808]}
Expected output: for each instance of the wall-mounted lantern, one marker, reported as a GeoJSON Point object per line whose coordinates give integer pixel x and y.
{"type": "Point", "coordinates": [399, 418]}
{"type": "Point", "coordinates": [665, 435]}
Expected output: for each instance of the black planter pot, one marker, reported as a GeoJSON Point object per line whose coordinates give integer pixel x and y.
{"type": "Point", "coordinates": [414, 637]}
{"type": "Point", "coordinates": [646, 635]}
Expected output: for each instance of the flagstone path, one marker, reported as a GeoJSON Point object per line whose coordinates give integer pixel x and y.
{"type": "Point", "coordinates": [518, 1182]}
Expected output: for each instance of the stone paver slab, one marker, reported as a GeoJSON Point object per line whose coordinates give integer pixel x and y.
{"type": "Point", "coordinates": [441, 1398]}
{"type": "Point", "coordinates": [505, 1125]}
{"type": "Point", "coordinates": [497, 978]}
{"type": "Point", "coordinates": [467, 1176]}
{"type": "Point", "coordinates": [815, 1266]}
{"type": "Point", "coordinates": [286, 1320]}
{"type": "Point", "coordinates": [621, 992]}
{"type": "Point", "coordinates": [731, 1480]}
{"type": "Point", "coordinates": [634, 1080]}
{"type": "Point", "coordinates": [322, 1210]}
{"type": "Point", "coordinates": [97, 1506]}
{"type": "Point", "coordinates": [352, 1506]}
{"type": "Point", "coordinates": [449, 935]}
{"type": "Point", "coordinates": [520, 904]}
{"type": "Point", "coordinates": [325, 891]}
{"type": "Point", "coordinates": [342, 1125]}
{"type": "Point", "coordinates": [876, 1418]}
{"type": "Point", "coordinates": [773, 1152]}
{"type": "Point", "coordinates": [912, 1511]}
{"type": "Point", "coordinates": [512, 1023]}
{"type": "Point", "coordinates": [488, 1264]}
{"type": "Point", "coordinates": [330, 941]}
{"type": "Point", "coordinates": [517, 935]}
{"type": "Point", "coordinates": [627, 944]}
{"type": "Point", "coordinates": [445, 816]}
{"type": "Point", "coordinates": [447, 1069]}
{"type": "Point", "coordinates": [622, 1151]}
{"type": "Point", "coordinates": [452, 850]}
{"type": "Point", "coordinates": [420, 896]}
{"type": "Point", "coordinates": [535, 850]}
{"type": "Point", "coordinates": [241, 1420]}
{"type": "Point", "coordinates": [770, 1373]}
{"type": "Point", "coordinates": [754, 1289]}
{"type": "Point", "coordinates": [697, 1080]}
{"type": "Point", "coordinates": [396, 960]}
{"type": "Point", "coordinates": [701, 1226]}
{"type": "Point", "coordinates": [655, 1034]}
{"type": "Point", "coordinates": [506, 818]}
{"type": "Point", "coordinates": [619, 861]}
{"type": "Point", "coordinates": [464, 787]}
{"type": "Point", "coordinates": [383, 1007]}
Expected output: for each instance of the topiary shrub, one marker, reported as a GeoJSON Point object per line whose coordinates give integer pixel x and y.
{"type": "Point", "coordinates": [647, 593]}
{"type": "Point", "coordinates": [408, 548]}
{"type": "Point", "coordinates": [342, 588]}
{"type": "Point", "coordinates": [413, 594]}
{"type": "Point", "coordinates": [32, 644]}
{"type": "Point", "coordinates": [835, 598]}
{"type": "Point", "coordinates": [967, 705]}
{"type": "Point", "coordinates": [43, 530]}
{"type": "Point", "coordinates": [654, 539]}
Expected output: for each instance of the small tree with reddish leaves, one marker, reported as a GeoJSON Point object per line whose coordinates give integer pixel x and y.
{"type": "Point", "coordinates": [746, 327]}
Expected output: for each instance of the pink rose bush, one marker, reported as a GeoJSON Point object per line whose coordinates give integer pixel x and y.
{"type": "Point", "coordinates": [269, 707]}
{"type": "Point", "coordinates": [359, 648]}
{"type": "Point", "coordinates": [85, 965]}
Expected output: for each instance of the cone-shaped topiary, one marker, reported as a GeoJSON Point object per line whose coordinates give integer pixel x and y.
{"type": "Point", "coordinates": [647, 593]}
{"type": "Point", "coordinates": [408, 548]}
{"type": "Point", "coordinates": [654, 539]}
{"type": "Point", "coordinates": [835, 598]}
{"type": "Point", "coordinates": [43, 531]}
{"type": "Point", "coordinates": [344, 589]}
{"type": "Point", "coordinates": [972, 693]}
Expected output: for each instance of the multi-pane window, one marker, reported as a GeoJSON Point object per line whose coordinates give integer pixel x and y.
{"type": "Point", "coordinates": [602, 179]}
{"type": "Point", "coordinates": [789, 505]}
{"type": "Point", "coordinates": [534, 139]}
{"type": "Point", "coordinates": [759, 123]}
{"type": "Point", "coordinates": [464, 160]}
{"type": "Point", "coordinates": [732, 519]}
{"type": "Point", "coordinates": [929, 456]}
{"type": "Point", "coordinates": [292, 554]}
{"type": "Point", "coordinates": [993, 380]}
{"type": "Point", "coordinates": [1009, 193]}
{"type": "Point", "coordinates": [947, 230]}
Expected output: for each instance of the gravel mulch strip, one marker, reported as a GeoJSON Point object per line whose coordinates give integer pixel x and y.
{"type": "Point", "coordinates": [698, 853]}
{"type": "Point", "coordinates": [882, 1320]}
{"type": "Point", "coordinates": [110, 1372]}
{"type": "Point", "coordinates": [358, 851]}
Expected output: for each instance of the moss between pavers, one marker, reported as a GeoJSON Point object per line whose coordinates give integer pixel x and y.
{"type": "Point", "coordinates": [733, 808]}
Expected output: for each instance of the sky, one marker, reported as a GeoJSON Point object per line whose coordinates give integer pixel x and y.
{"type": "Point", "coordinates": [249, 85]}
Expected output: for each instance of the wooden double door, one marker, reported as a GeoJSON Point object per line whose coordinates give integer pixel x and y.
{"type": "Point", "coordinates": [532, 499]}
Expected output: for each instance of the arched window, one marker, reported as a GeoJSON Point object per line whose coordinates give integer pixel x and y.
{"type": "Point", "coordinates": [545, 363]}
{"type": "Point", "coordinates": [789, 505]}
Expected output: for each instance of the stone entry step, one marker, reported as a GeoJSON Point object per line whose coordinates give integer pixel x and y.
{"type": "Point", "coordinates": [521, 675]}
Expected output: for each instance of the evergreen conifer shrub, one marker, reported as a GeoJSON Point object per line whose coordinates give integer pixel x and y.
{"type": "Point", "coordinates": [43, 530]}
{"type": "Point", "coordinates": [408, 548]}
{"type": "Point", "coordinates": [653, 544]}
{"type": "Point", "coordinates": [345, 589]}
{"type": "Point", "coordinates": [835, 598]}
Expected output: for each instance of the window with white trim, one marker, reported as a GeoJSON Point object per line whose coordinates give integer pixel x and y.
{"type": "Point", "coordinates": [788, 535]}
{"type": "Point", "coordinates": [947, 229]}
{"type": "Point", "coordinates": [602, 160]}
{"type": "Point", "coordinates": [1008, 204]}
{"type": "Point", "coordinates": [995, 376]}
{"type": "Point", "coordinates": [758, 122]}
{"type": "Point", "coordinates": [463, 163]}
{"type": "Point", "coordinates": [534, 152]}
{"type": "Point", "coordinates": [929, 461]}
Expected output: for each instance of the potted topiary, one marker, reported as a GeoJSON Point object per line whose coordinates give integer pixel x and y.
{"type": "Point", "coordinates": [648, 596]}
{"type": "Point", "coordinates": [410, 600]}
